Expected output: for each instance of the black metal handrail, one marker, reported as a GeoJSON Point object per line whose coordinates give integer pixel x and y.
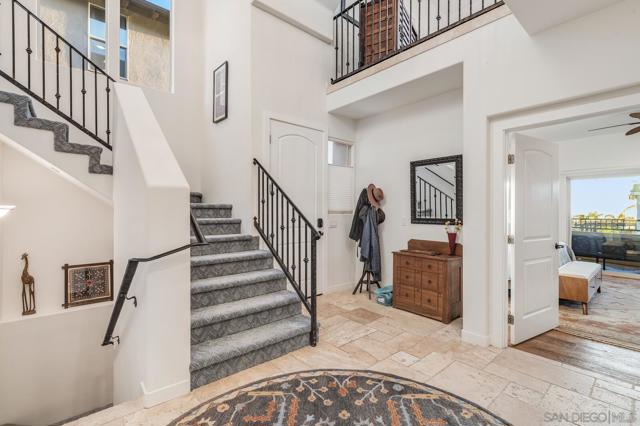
{"type": "Point", "coordinates": [431, 200]}
{"type": "Point", "coordinates": [593, 224]}
{"type": "Point", "coordinates": [129, 274]}
{"type": "Point", "coordinates": [369, 31]}
{"type": "Point", "coordinates": [277, 220]}
{"type": "Point", "coordinates": [99, 80]}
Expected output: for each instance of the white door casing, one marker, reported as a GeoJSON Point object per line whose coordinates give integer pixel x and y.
{"type": "Point", "coordinates": [535, 287]}
{"type": "Point", "coordinates": [296, 162]}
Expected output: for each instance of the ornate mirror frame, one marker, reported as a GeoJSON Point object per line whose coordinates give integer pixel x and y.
{"type": "Point", "coordinates": [457, 159]}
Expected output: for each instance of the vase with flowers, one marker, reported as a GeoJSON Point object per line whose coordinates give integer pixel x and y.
{"type": "Point", "coordinates": [453, 229]}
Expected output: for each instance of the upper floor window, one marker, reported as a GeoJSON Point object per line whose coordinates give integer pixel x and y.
{"type": "Point", "coordinates": [98, 39]}
{"type": "Point", "coordinates": [97, 36]}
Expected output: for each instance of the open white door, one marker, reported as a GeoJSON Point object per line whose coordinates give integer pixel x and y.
{"type": "Point", "coordinates": [297, 163]}
{"type": "Point", "coordinates": [535, 290]}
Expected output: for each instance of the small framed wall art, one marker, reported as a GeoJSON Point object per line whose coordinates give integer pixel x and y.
{"type": "Point", "coordinates": [87, 284]}
{"type": "Point", "coordinates": [221, 92]}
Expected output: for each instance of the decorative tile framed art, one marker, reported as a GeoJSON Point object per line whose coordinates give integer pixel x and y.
{"type": "Point", "coordinates": [87, 284]}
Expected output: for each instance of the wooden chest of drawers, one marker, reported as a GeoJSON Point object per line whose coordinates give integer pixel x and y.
{"type": "Point", "coordinates": [428, 285]}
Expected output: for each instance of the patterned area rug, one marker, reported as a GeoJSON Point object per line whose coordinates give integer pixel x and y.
{"type": "Point", "coordinates": [614, 314]}
{"type": "Point", "coordinates": [338, 397]}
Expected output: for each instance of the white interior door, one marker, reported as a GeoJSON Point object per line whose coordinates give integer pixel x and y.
{"type": "Point", "coordinates": [535, 286]}
{"type": "Point", "coordinates": [297, 163]}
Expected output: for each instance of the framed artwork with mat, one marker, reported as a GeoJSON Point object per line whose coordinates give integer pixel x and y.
{"type": "Point", "coordinates": [87, 284]}
{"type": "Point", "coordinates": [221, 93]}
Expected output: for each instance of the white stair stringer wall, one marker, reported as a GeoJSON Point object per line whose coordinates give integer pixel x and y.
{"type": "Point", "coordinates": [151, 216]}
{"type": "Point", "coordinates": [53, 366]}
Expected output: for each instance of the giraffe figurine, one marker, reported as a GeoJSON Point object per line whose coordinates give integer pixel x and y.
{"type": "Point", "coordinates": [28, 289]}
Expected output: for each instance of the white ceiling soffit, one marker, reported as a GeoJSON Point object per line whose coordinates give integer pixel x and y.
{"type": "Point", "coordinates": [332, 5]}
{"type": "Point", "coordinates": [538, 15]}
{"type": "Point", "coordinates": [580, 129]}
{"type": "Point", "coordinates": [414, 91]}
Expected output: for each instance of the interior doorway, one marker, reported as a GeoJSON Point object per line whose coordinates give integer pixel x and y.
{"type": "Point", "coordinates": [573, 220]}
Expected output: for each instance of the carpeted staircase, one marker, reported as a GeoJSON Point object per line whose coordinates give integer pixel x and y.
{"type": "Point", "coordinates": [241, 311]}
{"type": "Point", "coordinates": [24, 115]}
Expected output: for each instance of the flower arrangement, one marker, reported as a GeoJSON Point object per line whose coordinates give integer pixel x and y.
{"type": "Point", "coordinates": [452, 229]}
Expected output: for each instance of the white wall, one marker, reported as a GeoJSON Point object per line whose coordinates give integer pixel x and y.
{"type": "Point", "coordinates": [151, 216]}
{"type": "Point", "coordinates": [52, 365]}
{"type": "Point", "coordinates": [506, 70]}
{"type": "Point", "coordinates": [386, 144]}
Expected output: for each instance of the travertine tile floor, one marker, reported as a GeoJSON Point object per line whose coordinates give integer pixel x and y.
{"type": "Point", "coordinates": [356, 333]}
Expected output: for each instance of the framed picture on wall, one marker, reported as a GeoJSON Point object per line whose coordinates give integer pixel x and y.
{"type": "Point", "coordinates": [221, 92]}
{"type": "Point", "coordinates": [87, 284]}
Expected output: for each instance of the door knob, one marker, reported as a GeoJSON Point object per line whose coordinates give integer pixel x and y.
{"type": "Point", "coordinates": [559, 246]}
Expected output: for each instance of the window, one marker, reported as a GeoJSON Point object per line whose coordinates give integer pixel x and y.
{"type": "Point", "coordinates": [124, 47]}
{"type": "Point", "coordinates": [97, 36]}
{"type": "Point", "coordinates": [339, 154]}
{"type": "Point", "coordinates": [98, 40]}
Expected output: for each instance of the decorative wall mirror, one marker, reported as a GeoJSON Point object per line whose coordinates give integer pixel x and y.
{"type": "Point", "coordinates": [436, 190]}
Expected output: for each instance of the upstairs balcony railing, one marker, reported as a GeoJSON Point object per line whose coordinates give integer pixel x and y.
{"type": "Point", "coordinates": [369, 31]}
{"type": "Point", "coordinates": [56, 73]}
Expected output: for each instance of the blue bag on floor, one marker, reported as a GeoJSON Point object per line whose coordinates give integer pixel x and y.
{"type": "Point", "coordinates": [384, 295]}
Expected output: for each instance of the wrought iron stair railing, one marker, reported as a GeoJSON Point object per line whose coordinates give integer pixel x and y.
{"type": "Point", "coordinates": [58, 75]}
{"type": "Point", "coordinates": [291, 239]}
{"type": "Point", "coordinates": [367, 32]}
{"type": "Point", "coordinates": [129, 274]}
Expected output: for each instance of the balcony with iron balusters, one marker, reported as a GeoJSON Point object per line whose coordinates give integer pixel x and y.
{"type": "Point", "coordinates": [368, 32]}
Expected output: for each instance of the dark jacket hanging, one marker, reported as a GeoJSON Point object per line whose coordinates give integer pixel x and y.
{"type": "Point", "coordinates": [356, 223]}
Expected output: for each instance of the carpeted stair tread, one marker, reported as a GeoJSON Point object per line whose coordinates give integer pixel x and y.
{"type": "Point", "coordinates": [225, 238]}
{"type": "Point", "coordinates": [240, 308]}
{"type": "Point", "coordinates": [211, 206]}
{"type": "Point", "coordinates": [217, 221]}
{"type": "Point", "coordinates": [215, 259]}
{"type": "Point", "coordinates": [225, 348]}
{"type": "Point", "coordinates": [228, 281]}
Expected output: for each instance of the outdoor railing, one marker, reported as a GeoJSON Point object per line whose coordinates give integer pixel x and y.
{"type": "Point", "coordinates": [605, 224]}
{"type": "Point", "coordinates": [370, 31]}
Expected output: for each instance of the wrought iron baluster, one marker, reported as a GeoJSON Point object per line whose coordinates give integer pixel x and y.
{"type": "Point", "coordinates": [29, 51]}
{"type": "Point", "coordinates": [95, 95]}
{"type": "Point", "coordinates": [379, 28]}
{"type": "Point", "coordinates": [71, 82]}
{"type": "Point", "coordinates": [343, 18]}
{"type": "Point", "coordinates": [336, 48]}
{"type": "Point", "coordinates": [386, 28]}
{"type": "Point", "coordinates": [84, 93]}
{"type": "Point", "coordinates": [448, 12]}
{"type": "Point", "coordinates": [288, 227]}
{"type": "Point", "coordinates": [271, 233]}
{"type": "Point", "coordinates": [418, 36]}
{"type": "Point", "coordinates": [429, 17]}
{"type": "Point", "coordinates": [108, 90]}
{"type": "Point", "coordinates": [314, 315]}
{"type": "Point", "coordinates": [459, 10]}
{"type": "Point", "coordinates": [293, 243]}
{"type": "Point", "coordinates": [42, 54]}
{"type": "Point", "coordinates": [58, 73]}
{"type": "Point", "coordinates": [306, 260]}
{"type": "Point", "coordinates": [341, 44]}
{"type": "Point", "coordinates": [438, 17]}
{"type": "Point", "coordinates": [299, 249]}
{"type": "Point", "coordinates": [13, 39]}
{"type": "Point", "coordinates": [353, 38]}
{"type": "Point", "coordinates": [282, 227]}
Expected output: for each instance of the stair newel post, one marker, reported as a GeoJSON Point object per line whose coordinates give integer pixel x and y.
{"type": "Point", "coordinates": [314, 308]}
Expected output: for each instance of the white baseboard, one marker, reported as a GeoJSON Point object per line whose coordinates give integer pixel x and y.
{"type": "Point", "coordinates": [164, 394]}
{"type": "Point", "coordinates": [475, 338]}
